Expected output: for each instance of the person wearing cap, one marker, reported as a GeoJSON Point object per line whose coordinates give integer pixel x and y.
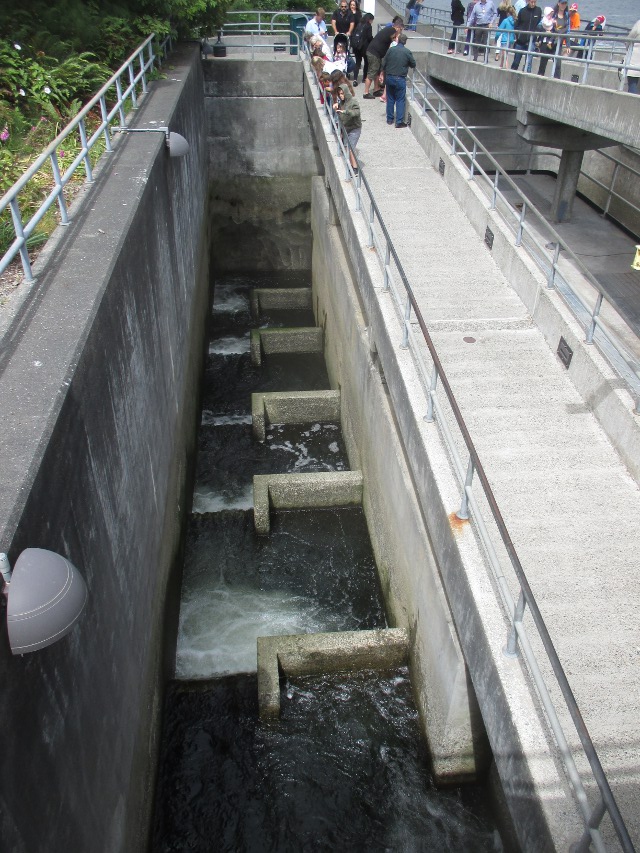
{"type": "Point", "coordinates": [596, 27]}
{"type": "Point", "coordinates": [396, 64]}
{"type": "Point", "coordinates": [528, 20]}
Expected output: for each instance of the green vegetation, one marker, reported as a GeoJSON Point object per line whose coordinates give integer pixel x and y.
{"type": "Point", "coordinates": [55, 54]}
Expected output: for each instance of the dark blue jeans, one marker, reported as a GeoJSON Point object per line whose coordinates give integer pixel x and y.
{"type": "Point", "coordinates": [396, 97]}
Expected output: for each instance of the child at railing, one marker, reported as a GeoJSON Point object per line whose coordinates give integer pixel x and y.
{"type": "Point", "coordinates": [348, 110]}
{"type": "Point", "coordinates": [505, 36]}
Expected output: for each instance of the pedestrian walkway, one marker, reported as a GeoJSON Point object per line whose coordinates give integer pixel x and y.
{"type": "Point", "coordinates": [571, 506]}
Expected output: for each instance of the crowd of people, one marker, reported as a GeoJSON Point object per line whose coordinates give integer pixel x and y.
{"type": "Point", "coordinates": [354, 48]}
{"type": "Point", "coordinates": [523, 28]}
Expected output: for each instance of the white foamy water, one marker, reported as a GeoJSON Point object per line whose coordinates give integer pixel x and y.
{"type": "Point", "coordinates": [206, 500]}
{"type": "Point", "coordinates": [301, 452]}
{"type": "Point", "coordinates": [230, 345]}
{"type": "Point", "coordinates": [209, 419]}
{"type": "Point", "coordinates": [230, 298]}
{"type": "Point", "coordinates": [219, 627]}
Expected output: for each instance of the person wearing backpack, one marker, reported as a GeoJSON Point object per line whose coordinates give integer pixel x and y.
{"type": "Point", "coordinates": [360, 39]}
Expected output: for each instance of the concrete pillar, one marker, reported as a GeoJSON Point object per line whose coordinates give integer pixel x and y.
{"type": "Point", "coordinates": [566, 185]}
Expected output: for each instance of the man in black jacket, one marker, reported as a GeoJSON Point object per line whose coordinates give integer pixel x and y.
{"type": "Point", "coordinates": [377, 51]}
{"type": "Point", "coordinates": [396, 65]}
{"type": "Point", "coordinates": [528, 19]}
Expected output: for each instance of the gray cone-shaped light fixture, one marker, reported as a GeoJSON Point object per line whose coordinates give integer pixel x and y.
{"type": "Point", "coordinates": [45, 598]}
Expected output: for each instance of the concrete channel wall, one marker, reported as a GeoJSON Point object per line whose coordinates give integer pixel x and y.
{"type": "Point", "coordinates": [99, 388]}
{"type": "Point", "coordinates": [408, 485]}
{"type": "Point", "coordinates": [261, 157]}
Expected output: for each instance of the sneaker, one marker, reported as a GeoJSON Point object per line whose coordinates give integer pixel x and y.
{"type": "Point", "coordinates": [368, 96]}
{"type": "Point", "coordinates": [389, 122]}
{"type": "Point", "coordinates": [449, 51]}
{"type": "Point", "coordinates": [355, 83]}
{"type": "Point", "coordinates": [356, 172]}
{"type": "Point", "coordinates": [377, 93]}
{"type": "Point", "coordinates": [465, 53]}
{"type": "Point", "coordinates": [402, 124]}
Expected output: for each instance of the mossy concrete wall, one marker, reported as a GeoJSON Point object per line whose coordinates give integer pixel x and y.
{"type": "Point", "coordinates": [99, 388]}
{"type": "Point", "coordinates": [261, 159]}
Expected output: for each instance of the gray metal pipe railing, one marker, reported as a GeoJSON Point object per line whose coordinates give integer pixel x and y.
{"type": "Point", "coordinates": [133, 77]}
{"type": "Point", "coordinates": [611, 42]}
{"type": "Point", "coordinates": [386, 253]}
{"type": "Point", "coordinates": [612, 347]}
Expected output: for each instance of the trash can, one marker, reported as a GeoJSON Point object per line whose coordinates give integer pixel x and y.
{"type": "Point", "coordinates": [297, 23]}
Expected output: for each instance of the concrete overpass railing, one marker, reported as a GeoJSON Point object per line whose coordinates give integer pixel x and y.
{"type": "Point", "coordinates": [557, 100]}
{"type": "Point", "coordinates": [443, 409]}
{"type": "Point", "coordinates": [531, 229]}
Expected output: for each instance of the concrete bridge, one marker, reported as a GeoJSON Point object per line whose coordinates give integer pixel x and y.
{"type": "Point", "coordinates": [611, 116]}
{"type": "Point", "coordinates": [106, 353]}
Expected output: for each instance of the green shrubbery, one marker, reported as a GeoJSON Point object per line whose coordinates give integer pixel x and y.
{"type": "Point", "coordinates": [55, 54]}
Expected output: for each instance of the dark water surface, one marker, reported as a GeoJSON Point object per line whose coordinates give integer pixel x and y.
{"type": "Point", "coordinates": [344, 769]}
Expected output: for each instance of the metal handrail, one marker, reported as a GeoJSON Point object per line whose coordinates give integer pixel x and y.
{"type": "Point", "coordinates": [616, 46]}
{"type": "Point", "coordinates": [430, 16]}
{"type": "Point", "coordinates": [295, 42]}
{"type": "Point", "coordinates": [624, 362]}
{"type": "Point", "coordinates": [126, 81]}
{"type": "Point", "coordinates": [469, 505]}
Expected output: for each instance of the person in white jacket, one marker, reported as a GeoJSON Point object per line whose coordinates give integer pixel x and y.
{"type": "Point", "coordinates": [633, 74]}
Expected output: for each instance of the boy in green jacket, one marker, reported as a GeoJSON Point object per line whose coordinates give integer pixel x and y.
{"type": "Point", "coordinates": [348, 108]}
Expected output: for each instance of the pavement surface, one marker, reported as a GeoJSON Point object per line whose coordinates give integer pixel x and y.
{"type": "Point", "coordinates": [570, 504]}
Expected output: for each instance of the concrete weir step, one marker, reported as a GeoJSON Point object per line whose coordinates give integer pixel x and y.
{"type": "Point", "coordinates": [293, 407]}
{"type": "Point", "coordinates": [302, 491]}
{"type": "Point", "coordinates": [319, 654]}
{"type": "Point", "coordinates": [302, 339]}
{"type": "Point", "coordinates": [280, 299]}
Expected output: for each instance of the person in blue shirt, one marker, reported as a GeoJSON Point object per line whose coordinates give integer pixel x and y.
{"type": "Point", "coordinates": [505, 37]}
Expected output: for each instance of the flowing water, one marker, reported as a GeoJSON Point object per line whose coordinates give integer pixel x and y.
{"type": "Point", "coordinates": [345, 768]}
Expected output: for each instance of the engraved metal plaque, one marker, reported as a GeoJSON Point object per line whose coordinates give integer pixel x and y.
{"type": "Point", "coordinates": [565, 352]}
{"type": "Point", "coordinates": [488, 237]}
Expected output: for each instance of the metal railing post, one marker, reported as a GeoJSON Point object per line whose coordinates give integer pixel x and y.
{"type": "Point", "coordinates": [87, 159]}
{"type": "Point", "coordinates": [387, 260]}
{"type": "Point", "coordinates": [463, 512]}
{"type": "Point", "coordinates": [592, 824]}
{"type": "Point", "coordinates": [472, 164]}
{"type": "Point", "coordinates": [511, 649]}
{"type": "Point", "coordinates": [371, 221]}
{"type": "Point", "coordinates": [523, 213]}
{"type": "Point", "coordinates": [358, 185]}
{"type": "Point", "coordinates": [551, 280]}
{"type": "Point", "coordinates": [104, 113]}
{"type": "Point", "coordinates": [494, 196]}
{"type": "Point", "coordinates": [432, 390]}
{"type": "Point", "coordinates": [17, 227]}
{"type": "Point", "coordinates": [454, 136]}
{"type": "Point", "coordinates": [134, 94]}
{"type": "Point", "coordinates": [55, 168]}
{"type": "Point", "coordinates": [405, 328]}
{"type": "Point", "coordinates": [143, 74]}
{"type": "Point", "coordinates": [594, 319]}
{"type": "Point", "coordinates": [123, 118]}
